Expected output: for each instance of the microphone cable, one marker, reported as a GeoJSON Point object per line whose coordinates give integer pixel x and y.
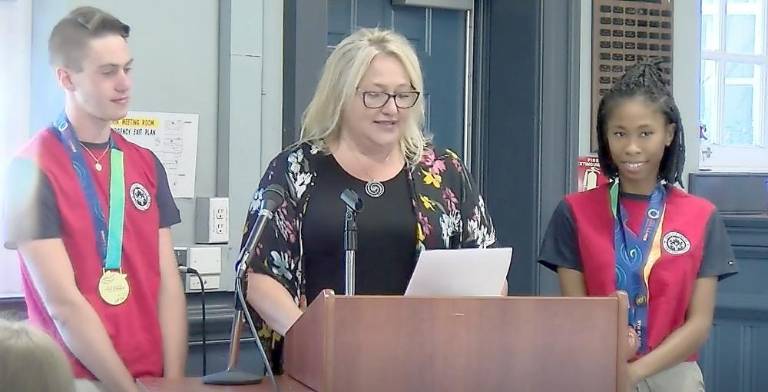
{"type": "Point", "coordinates": [190, 270]}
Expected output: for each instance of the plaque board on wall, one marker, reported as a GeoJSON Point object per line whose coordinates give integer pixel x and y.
{"type": "Point", "coordinates": [625, 32]}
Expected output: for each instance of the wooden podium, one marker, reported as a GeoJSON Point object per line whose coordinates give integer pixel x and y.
{"type": "Point", "coordinates": [390, 343]}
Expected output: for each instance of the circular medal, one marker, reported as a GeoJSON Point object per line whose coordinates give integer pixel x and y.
{"type": "Point", "coordinates": [98, 166]}
{"type": "Point", "coordinates": [113, 287]}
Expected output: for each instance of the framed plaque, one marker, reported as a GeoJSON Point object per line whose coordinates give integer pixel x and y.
{"type": "Point", "coordinates": [625, 32]}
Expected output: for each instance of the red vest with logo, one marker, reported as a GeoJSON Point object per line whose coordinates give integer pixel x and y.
{"type": "Point", "coordinates": [672, 276]}
{"type": "Point", "coordinates": [132, 326]}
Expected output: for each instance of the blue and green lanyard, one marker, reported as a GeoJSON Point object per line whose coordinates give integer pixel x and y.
{"type": "Point", "coordinates": [636, 254]}
{"type": "Point", "coordinates": [109, 239]}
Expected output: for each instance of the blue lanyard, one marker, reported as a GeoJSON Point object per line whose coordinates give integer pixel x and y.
{"type": "Point", "coordinates": [633, 253]}
{"type": "Point", "coordinates": [109, 240]}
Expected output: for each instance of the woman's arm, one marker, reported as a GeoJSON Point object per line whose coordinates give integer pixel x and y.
{"type": "Point", "coordinates": [571, 282]}
{"type": "Point", "coordinates": [272, 301]}
{"type": "Point", "coordinates": [687, 339]}
{"type": "Point", "coordinates": [273, 275]}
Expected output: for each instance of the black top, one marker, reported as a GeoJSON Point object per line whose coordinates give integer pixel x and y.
{"type": "Point", "coordinates": [386, 237]}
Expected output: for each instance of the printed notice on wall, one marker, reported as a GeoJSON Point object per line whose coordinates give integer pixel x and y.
{"type": "Point", "coordinates": [173, 138]}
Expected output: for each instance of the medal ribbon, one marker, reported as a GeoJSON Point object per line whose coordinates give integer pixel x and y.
{"type": "Point", "coordinates": [636, 255]}
{"type": "Point", "coordinates": [109, 240]}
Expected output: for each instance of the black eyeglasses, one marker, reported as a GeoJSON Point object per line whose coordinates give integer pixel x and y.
{"type": "Point", "coordinates": [377, 99]}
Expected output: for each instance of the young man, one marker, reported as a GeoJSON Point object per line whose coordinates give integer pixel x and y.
{"type": "Point", "coordinates": [90, 214]}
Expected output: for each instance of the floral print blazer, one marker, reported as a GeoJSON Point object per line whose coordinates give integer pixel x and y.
{"type": "Point", "coordinates": [450, 214]}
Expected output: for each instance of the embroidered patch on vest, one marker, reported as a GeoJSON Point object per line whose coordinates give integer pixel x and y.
{"type": "Point", "coordinates": [676, 243]}
{"type": "Point", "coordinates": [140, 196]}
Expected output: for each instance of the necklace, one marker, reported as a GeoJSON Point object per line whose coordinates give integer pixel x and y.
{"type": "Point", "coordinates": [97, 165]}
{"type": "Point", "coordinates": [374, 188]}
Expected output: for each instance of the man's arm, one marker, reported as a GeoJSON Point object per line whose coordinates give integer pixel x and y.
{"type": "Point", "coordinates": [172, 310]}
{"type": "Point", "coordinates": [76, 320]}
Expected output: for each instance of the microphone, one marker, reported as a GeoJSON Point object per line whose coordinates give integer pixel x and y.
{"type": "Point", "coordinates": [352, 200]}
{"type": "Point", "coordinates": [354, 204]}
{"type": "Point", "coordinates": [271, 197]}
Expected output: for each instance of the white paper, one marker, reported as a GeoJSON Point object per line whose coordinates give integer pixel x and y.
{"type": "Point", "coordinates": [173, 138]}
{"type": "Point", "coordinates": [460, 272]}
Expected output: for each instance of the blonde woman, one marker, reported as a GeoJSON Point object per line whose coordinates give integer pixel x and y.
{"type": "Point", "coordinates": [362, 130]}
{"type": "Point", "coordinates": [32, 361]}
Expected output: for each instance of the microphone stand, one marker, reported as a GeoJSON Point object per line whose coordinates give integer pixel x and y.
{"type": "Point", "coordinates": [350, 248]}
{"type": "Point", "coordinates": [271, 199]}
{"type": "Point", "coordinates": [232, 375]}
{"type": "Point", "coordinates": [354, 205]}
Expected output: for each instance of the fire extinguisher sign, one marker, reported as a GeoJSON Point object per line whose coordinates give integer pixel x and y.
{"type": "Point", "coordinates": [589, 174]}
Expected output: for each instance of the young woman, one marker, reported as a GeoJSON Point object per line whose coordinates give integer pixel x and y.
{"type": "Point", "coordinates": [641, 234]}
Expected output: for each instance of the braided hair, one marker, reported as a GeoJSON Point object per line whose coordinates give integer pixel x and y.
{"type": "Point", "coordinates": [646, 80]}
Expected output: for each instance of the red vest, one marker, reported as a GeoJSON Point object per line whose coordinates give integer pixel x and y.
{"type": "Point", "coordinates": [672, 276]}
{"type": "Point", "coordinates": [132, 326]}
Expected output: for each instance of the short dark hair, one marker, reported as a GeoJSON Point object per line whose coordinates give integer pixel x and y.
{"type": "Point", "coordinates": [69, 38]}
{"type": "Point", "coordinates": [644, 80]}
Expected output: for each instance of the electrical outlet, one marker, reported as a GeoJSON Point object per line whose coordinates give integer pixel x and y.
{"type": "Point", "coordinates": [181, 253]}
{"type": "Point", "coordinates": [212, 220]}
{"type": "Point", "coordinates": [205, 259]}
{"type": "Point", "coordinates": [219, 219]}
{"type": "Point", "coordinates": [211, 282]}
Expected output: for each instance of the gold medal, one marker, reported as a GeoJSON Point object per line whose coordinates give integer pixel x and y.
{"type": "Point", "coordinates": [113, 287]}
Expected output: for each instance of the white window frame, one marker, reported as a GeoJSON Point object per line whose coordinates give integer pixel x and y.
{"type": "Point", "coordinates": [716, 156]}
{"type": "Point", "coordinates": [15, 69]}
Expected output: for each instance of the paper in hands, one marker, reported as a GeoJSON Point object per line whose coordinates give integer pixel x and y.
{"type": "Point", "coordinates": [460, 272]}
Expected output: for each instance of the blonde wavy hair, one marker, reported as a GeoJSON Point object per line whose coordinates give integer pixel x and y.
{"type": "Point", "coordinates": [339, 81]}
{"type": "Point", "coordinates": [32, 361]}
